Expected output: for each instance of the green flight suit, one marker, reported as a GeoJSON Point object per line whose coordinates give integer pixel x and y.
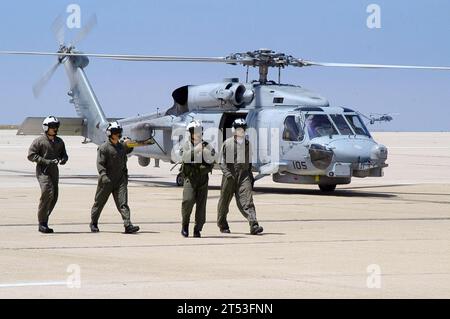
{"type": "Point", "coordinates": [196, 165]}
{"type": "Point", "coordinates": [113, 179]}
{"type": "Point", "coordinates": [237, 180]}
{"type": "Point", "coordinates": [42, 151]}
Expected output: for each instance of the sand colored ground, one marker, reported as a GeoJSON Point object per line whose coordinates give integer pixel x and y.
{"type": "Point", "coordinates": [314, 245]}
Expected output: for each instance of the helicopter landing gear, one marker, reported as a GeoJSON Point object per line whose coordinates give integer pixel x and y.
{"type": "Point", "coordinates": [180, 180]}
{"type": "Point", "coordinates": [327, 188]}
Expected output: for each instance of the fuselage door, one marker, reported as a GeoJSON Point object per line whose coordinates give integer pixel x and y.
{"type": "Point", "coordinates": [292, 141]}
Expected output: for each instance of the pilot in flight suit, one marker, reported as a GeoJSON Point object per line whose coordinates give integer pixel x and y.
{"type": "Point", "coordinates": [237, 180]}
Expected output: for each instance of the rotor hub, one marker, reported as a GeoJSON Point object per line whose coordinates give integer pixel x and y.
{"type": "Point", "coordinates": [265, 59]}
{"type": "Point", "coordinates": [63, 49]}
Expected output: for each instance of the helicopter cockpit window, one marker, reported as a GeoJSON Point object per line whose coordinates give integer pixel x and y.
{"type": "Point", "coordinates": [341, 124]}
{"type": "Point", "coordinates": [292, 131]}
{"type": "Point", "coordinates": [357, 125]}
{"type": "Point", "coordinates": [319, 125]}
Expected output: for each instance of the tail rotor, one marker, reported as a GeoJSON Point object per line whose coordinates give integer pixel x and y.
{"type": "Point", "coordinates": [58, 28]}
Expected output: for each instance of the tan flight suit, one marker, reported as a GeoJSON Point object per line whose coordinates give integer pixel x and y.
{"type": "Point", "coordinates": [42, 151]}
{"type": "Point", "coordinates": [113, 179]}
{"type": "Point", "coordinates": [196, 165]}
{"type": "Point", "coordinates": [237, 180]}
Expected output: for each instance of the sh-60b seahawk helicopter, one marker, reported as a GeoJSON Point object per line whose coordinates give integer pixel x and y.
{"type": "Point", "coordinates": [314, 143]}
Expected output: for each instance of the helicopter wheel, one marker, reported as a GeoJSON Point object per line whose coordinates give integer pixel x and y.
{"type": "Point", "coordinates": [327, 188]}
{"type": "Point", "coordinates": [180, 180]}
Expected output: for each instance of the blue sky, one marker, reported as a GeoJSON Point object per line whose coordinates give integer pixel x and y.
{"type": "Point", "coordinates": [412, 32]}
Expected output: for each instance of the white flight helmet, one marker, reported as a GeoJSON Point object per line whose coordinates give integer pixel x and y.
{"type": "Point", "coordinates": [239, 123]}
{"type": "Point", "coordinates": [193, 126]}
{"type": "Point", "coordinates": [50, 122]}
{"type": "Point", "coordinates": [114, 128]}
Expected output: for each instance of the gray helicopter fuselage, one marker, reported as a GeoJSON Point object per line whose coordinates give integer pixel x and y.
{"type": "Point", "coordinates": [286, 142]}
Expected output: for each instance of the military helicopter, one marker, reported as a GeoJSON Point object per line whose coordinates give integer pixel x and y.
{"type": "Point", "coordinates": [298, 137]}
{"type": "Point", "coordinates": [373, 118]}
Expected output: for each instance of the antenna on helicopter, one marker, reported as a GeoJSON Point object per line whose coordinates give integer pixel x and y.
{"type": "Point", "coordinates": [279, 75]}
{"type": "Point", "coordinates": [246, 75]}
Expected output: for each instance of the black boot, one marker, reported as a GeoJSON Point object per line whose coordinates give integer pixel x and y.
{"type": "Point", "coordinates": [130, 229]}
{"type": "Point", "coordinates": [256, 229]}
{"type": "Point", "coordinates": [197, 233]}
{"type": "Point", "coordinates": [225, 231]}
{"type": "Point", "coordinates": [94, 227]}
{"type": "Point", "coordinates": [185, 231]}
{"type": "Point", "coordinates": [43, 228]}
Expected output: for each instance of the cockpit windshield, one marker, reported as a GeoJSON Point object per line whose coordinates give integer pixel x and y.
{"type": "Point", "coordinates": [357, 125]}
{"type": "Point", "coordinates": [319, 125]}
{"type": "Point", "coordinates": [341, 124]}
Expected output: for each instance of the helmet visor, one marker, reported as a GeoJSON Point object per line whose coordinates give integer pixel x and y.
{"type": "Point", "coordinates": [116, 131]}
{"type": "Point", "coordinates": [53, 125]}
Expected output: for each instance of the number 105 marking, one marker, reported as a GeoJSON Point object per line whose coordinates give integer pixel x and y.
{"type": "Point", "coordinates": [299, 165]}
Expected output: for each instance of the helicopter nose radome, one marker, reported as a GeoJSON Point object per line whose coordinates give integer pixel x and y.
{"type": "Point", "coordinates": [379, 153]}
{"type": "Point", "coordinates": [354, 151]}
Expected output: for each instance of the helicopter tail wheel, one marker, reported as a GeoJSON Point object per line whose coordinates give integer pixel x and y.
{"type": "Point", "coordinates": [327, 188]}
{"type": "Point", "coordinates": [180, 180]}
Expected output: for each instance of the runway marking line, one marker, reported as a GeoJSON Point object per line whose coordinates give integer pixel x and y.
{"type": "Point", "coordinates": [34, 284]}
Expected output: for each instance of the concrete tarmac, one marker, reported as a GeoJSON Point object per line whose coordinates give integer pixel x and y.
{"type": "Point", "coordinates": [375, 238]}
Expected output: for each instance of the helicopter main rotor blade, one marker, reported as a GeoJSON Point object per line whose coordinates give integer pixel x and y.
{"type": "Point", "coordinates": [170, 59]}
{"type": "Point", "coordinates": [374, 66]}
{"type": "Point", "coordinates": [39, 86]}
{"type": "Point", "coordinates": [227, 60]}
{"type": "Point", "coordinates": [31, 53]}
{"type": "Point", "coordinates": [84, 32]}
{"type": "Point", "coordinates": [124, 57]}
{"type": "Point", "coordinates": [58, 30]}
